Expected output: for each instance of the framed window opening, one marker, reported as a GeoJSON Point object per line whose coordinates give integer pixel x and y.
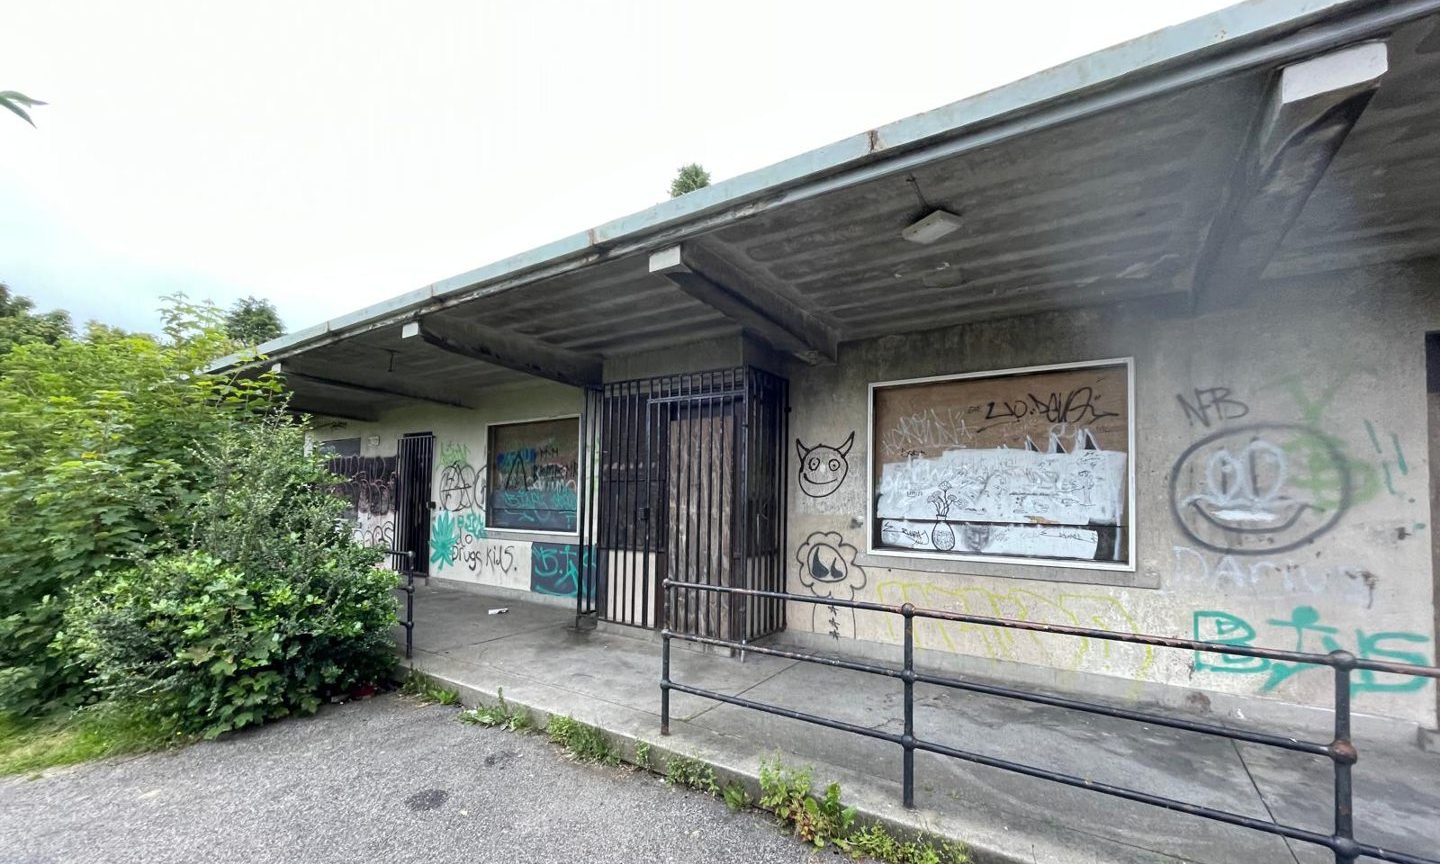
{"type": "Point", "coordinates": [533, 475]}
{"type": "Point", "coordinates": [1031, 466]}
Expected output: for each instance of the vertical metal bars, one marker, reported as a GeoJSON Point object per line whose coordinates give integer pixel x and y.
{"type": "Point", "coordinates": [685, 479]}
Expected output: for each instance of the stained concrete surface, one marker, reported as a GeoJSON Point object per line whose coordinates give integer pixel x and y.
{"type": "Point", "coordinates": [383, 780]}
{"type": "Point", "coordinates": [612, 680]}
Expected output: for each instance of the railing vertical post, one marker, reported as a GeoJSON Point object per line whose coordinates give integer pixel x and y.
{"type": "Point", "coordinates": [907, 738]}
{"type": "Point", "coordinates": [1344, 755]}
{"type": "Point", "coordinates": [665, 681]}
{"type": "Point", "coordinates": [409, 603]}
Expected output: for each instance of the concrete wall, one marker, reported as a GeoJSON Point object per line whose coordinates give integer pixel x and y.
{"type": "Point", "coordinates": [464, 548]}
{"type": "Point", "coordinates": [1343, 358]}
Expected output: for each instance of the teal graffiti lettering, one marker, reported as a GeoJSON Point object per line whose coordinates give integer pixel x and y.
{"type": "Point", "coordinates": [1311, 636]}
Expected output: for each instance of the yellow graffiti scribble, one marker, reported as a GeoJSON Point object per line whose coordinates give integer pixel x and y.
{"type": "Point", "coordinates": [1095, 611]}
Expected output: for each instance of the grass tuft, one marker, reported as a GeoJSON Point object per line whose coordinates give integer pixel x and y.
{"type": "Point", "coordinates": [70, 738]}
{"type": "Point", "coordinates": [423, 688]}
{"type": "Point", "coordinates": [582, 741]}
{"type": "Point", "coordinates": [500, 716]}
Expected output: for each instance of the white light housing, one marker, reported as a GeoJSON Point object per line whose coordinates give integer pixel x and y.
{"type": "Point", "coordinates": [934, 226]}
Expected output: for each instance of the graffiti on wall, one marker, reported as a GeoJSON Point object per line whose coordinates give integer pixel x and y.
{"type": "Point", "coordinates": [1261, 488]}
{"type": "Point", "coordinates": [828, 569]}
{"type": "Point", "coordinates": [534, 487]}
{"type": "Point", "coordinates": [555, 568]}
{"type": "Point", "coordinates": [822, 467]}
{"type": "Point", "coordinates": [1032, 464]}
{"type": "Point", "coordinates": [369, 485]}
{"type": "Point", "coordinates": [1304, 631]}
{"type": "Point", "coordinates": [1075, 608]}
{"type": "Point", "coordinates": [457, 529]}
{"type": "Point", "coordinates": [1272, 577]}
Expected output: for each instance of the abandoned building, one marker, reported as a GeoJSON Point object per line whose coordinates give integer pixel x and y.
{"type": "Point", "coordinates": [1145, 343]}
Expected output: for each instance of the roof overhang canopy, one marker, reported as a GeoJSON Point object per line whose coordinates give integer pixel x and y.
{"type": "Point", "coordinates": [1277, 138]}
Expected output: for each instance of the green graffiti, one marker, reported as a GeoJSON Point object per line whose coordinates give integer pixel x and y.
{"type": "Point", "coordinates": [454, 453]}
{"type": "Point", "coordinates": [1311, 457]}
{"type": "Point", "coordinates": [473, 525]}
{"type": "Point", "coordinates": [445, 540]}
{"type": "Point", "coordinates": [1224, 628]}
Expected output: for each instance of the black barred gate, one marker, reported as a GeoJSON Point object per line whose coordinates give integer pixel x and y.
{"type": "Point", "coordinates": [685, 480]}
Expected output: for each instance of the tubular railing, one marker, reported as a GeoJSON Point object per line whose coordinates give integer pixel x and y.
{"type": "Point", "coordinates": [404, 561]}
{"type": "Point", "coordinates": [1340, 751]}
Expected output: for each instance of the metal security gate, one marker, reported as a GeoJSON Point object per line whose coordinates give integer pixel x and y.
{"type": "Point", "coordinates": [412, 510]}
{"type": "Point", "coordinates": [686, 481]}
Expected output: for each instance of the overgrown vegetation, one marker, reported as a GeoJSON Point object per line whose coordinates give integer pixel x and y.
{"type": "Point", "coordinates": [737, 797]}
{"type": "Point", "coordinates": [692, 774]}
{"type": "Point", "coordinates": [99, 468]}
{"type": "Point", "coordinates": [826, 821]}
{"type": "Point", "coordinates": [268, 608]}
{"type": "Point", "coordinates": [94, 732]}
{"type": "Point", "coordinates": [175, 563]}
{"type": "Point", "coordinates": [582, 741]}
{"type": "Point", "coordinates": [424, 689]}
{"type": "Point", "coordinates": [501, 715]}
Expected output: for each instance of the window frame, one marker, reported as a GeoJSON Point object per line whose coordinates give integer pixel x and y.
{"type": "Point", "coordinates": [1129, 525]}
{"type": "Point", "coordinates": [579, 478]}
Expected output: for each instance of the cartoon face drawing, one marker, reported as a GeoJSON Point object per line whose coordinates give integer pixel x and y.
{"type": "Point", "coordinates": [822, 467]}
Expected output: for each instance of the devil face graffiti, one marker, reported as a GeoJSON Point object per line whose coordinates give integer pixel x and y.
{"type": "Point", "coordinates": [822, 467]}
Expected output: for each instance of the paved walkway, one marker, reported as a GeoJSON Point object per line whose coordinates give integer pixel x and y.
{"type": "Point", "coordinates": [610, 680]}
{"type": "Point", "coordinates": [382, 781]}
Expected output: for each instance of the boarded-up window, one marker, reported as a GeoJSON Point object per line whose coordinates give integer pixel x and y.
{"type": "Point", "coordinates": [533, 474]}
{"type": "Point", "coordinates": [1026, 465]}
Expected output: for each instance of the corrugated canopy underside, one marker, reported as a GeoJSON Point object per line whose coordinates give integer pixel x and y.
{"type": "Point", "coordinates": [1110, 208]}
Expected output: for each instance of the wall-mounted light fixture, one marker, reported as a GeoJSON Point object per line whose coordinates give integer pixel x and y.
{"type": "Point", "coordinates": [937, 224]}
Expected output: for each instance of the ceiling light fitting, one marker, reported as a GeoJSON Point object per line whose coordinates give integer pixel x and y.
{"type": "Point", "coordinates": [932, 227]}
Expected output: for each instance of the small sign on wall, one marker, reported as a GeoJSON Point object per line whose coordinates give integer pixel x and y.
{"type": "Point", "coordinates": [1025, 465]}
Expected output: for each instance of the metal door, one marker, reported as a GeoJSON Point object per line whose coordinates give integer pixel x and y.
{"type": "Point", "coordinates": [413, 505]}
{"type": "Point", "coordinates": [686, 482]}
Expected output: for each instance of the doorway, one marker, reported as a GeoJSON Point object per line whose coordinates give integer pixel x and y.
{"type": "Point", "coordinates": [688, 484]}
{"type": "Point", "coordinates": [412, 513]}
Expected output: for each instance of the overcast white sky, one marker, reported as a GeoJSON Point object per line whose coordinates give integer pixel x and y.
{"type": "Point", "coordinates": [328, 155]}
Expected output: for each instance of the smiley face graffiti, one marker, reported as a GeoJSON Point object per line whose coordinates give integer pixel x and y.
{"type": "Point", "coordinates": [822, 467]}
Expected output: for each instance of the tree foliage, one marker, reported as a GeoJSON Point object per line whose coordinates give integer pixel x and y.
{"type": "Point", "coordinates": [19, 325]}
{"type": "Point", "coordinates": [98, 469]}
{"type": "Point", "coordinates": [252, 321]}
{"type": "Point", "coordinates": [270, 606]}
{"type": "Point", "coordinates": [16, 102]}
{"type": "Point", "coordinates": [688, 179]}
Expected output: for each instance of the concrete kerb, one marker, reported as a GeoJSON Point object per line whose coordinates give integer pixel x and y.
{"type": "Point", "coordinates": [731, 761]}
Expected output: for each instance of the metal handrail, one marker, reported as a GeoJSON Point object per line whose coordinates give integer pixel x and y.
{"type": "Point", "coordinates": [408, 586]}
{"type": "Point", "coordinates": [1340, 750]}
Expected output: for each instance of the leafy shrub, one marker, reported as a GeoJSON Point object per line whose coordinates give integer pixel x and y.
{"type": "Point", "coordinates": [97, 472]}
{"type": "Point", "coordinates": [271, 607]}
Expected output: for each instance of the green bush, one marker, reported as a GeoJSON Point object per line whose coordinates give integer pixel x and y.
{"type": "Point", "coordinates": [271, 606]}
{"type": "Point", "coordinates": [98, 472]}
